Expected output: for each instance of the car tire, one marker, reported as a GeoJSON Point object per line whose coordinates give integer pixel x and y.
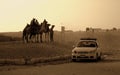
{"type": "Point", "coordinates": [99, 58]}
{"type": "Point", "coordinates": [96, 59]}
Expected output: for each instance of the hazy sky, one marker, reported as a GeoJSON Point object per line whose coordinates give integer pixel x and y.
{"type": "Point", "coordinates": [73, 14]}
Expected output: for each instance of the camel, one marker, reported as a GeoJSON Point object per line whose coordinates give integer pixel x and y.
{"type": "Point", "coordinates": [31, 30]}
{"type": "Point", "coordinates": [44, 28]}
{"type": "Point", "coordinates": [35, 30]}
{"type": "Point", "coordinates": [26, 32]}
{"type": "Point", "coordinates": [46, 32]}
{"type": "Point", "coordinates": [51, 33]}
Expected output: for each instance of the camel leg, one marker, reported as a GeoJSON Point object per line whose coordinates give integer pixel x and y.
{"type": "Point", "coordinates": [45, 37]}
{"type": "Point", "coordinates": [37, 37]}
{"type": "Point", "coordinates": [51, 37]}
{"type": "Point", "coordinates": [48, 37]}
{"type": "Point", "coordinates": [33, 39]}
{"type": "Point", "coordinates": [41, 38]}
{"type": "Point", "coordinates": [23, 39]}
{"type": "Point", "coordinates": [26, 37]}
{"type": "Point", "coordinates": [30, 37]}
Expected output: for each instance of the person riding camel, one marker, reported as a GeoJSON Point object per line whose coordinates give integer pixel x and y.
{"type": "Point", "coordinates": [45, 21]}
{"type": "Point", "coordinates": [34, 26]}
{"type": "Point", "coordinates": [34, 22]}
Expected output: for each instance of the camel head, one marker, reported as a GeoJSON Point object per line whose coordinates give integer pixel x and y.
{"type": "Point", "coordinates": [53, 26]}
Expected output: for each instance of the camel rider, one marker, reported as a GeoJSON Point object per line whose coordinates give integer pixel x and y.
{"type": "Point", "coordinates": [34, 22]}
{"type": "Point", "coordinates": [45, 22]}
{"type": "Point", "coordinates": [34, 26]}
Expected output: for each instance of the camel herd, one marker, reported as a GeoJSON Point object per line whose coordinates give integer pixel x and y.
{"type": "Point", "coordinates": [36, 30]}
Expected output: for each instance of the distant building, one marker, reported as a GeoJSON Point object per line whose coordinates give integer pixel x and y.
{"type": "Point", "coordinates": [97, 29]}
{"type": "Point", "coordinates": [90, 29]}
{"type": "Point", "coordinates": [62, 29]}
{"type": "Point", "coordinates": [94, 30]}
{"type": "Point", "coordinates": [68, 31]}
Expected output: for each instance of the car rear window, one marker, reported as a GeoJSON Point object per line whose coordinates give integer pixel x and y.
{"type": "Point", "coordinates": [87, 44]}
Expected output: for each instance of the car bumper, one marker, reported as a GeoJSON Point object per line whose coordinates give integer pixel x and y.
{"type": "Point", "coordinates": [84, 56]}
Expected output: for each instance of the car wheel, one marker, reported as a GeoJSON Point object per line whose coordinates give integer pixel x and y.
{"type": "Point", "coordinates": [96, 59]}
{"type": "Point", "coordinates": [99, 58]}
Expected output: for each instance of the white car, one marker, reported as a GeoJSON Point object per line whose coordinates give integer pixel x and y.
{"type": "Point", "coordinates": [86, 48]}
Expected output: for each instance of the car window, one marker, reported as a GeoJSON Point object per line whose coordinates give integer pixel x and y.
{"type": "Point", "coordinates": [87, 44]}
